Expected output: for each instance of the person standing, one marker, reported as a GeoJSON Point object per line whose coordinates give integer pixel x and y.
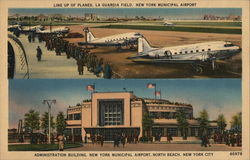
{"type": "Point", "coordinates": [38, 53]}
{"type": "Point", "coordinates": [80, 65]}
{"type": "Point", "coordinates": [123, 140]}
{"type": "Point", "coordinates": [60, 142]}
{"type": "Point", "coordinates": [85, 139]}
{"type": "Point", "coordinates": [101, 140]}
{"type": "Point", "coordinates": [29, 38]}
{"type": "Point", "coordinates": [107, 71]}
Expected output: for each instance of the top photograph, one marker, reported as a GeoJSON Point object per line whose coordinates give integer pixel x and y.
{"type": "Point", "coordinates": [124, 43]}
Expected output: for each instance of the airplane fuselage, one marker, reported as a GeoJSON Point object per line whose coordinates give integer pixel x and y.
{"type": "Point", "coordinates": [200, 51]}
{"type": "Point", "coordinates": [117, 39]}
{"type": "Point", "coordinates": [55, 30]}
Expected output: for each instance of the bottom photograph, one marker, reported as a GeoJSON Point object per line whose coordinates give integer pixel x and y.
{"type": "Point", "coordinates": [125, 115]}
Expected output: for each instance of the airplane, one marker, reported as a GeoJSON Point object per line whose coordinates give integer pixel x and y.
{"type": "Point", "coordinates": [31, 28]}
{"type": "Point", "coordinates": [166, 23]}
{"type": "Point", "coordinates": [61, 30]}
{"type": "Point", "coordinates": [13, 27]}
{"type": "Point", "coordinates": [194, 54]}
{"type": "Point", "coordinates": [118, 40]}
{"type": "Point", "coordinates": [24, 28]}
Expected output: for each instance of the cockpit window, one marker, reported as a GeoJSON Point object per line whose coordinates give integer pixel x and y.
{"type": "Point", "coordinates": [137, 34]}
{"type": "Point", "coordinates": [228, 45]}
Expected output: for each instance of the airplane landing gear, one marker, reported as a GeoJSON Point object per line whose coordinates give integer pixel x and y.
{"type": "Point", "coordinates": [197, 68]}
{"type": "Point", "coordinates": [119, 48]}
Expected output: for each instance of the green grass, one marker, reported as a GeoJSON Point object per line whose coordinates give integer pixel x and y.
{"type": "Point", "coordinates": [175, 28]}
{"type": "Point", "coordinates": [39, 147]}
{"type": "Point", "coordinates": [221, 24]}
{"type": "Point", "coordinates": [191, 23]}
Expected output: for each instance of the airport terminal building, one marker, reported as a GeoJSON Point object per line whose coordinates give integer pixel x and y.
{"type": "Point", "coordinates": [108, 113]}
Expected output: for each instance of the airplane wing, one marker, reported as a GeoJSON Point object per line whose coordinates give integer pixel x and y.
{"type": "Point", "coordinates": [99, 44]}
{"type": "Point", "coordinates": [170, 61]}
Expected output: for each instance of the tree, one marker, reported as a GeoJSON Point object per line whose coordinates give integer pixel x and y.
{"type": "Point", "coordinates": [236, 122]}
{"type": "Point", "coordinates": [147, 123]}
{"type": "Point", "coordinates": [203, 120]}
{"type": "Point", "coordinates": [182, 123]}
{"type": "Point", "coordinates": [221, 123]}
{"type": "Point", "coordinates": [31, 121]}
{"type": "Point", "coordinates": [60, 123]}
{"type": "Point", "coordinates": [45, 122]}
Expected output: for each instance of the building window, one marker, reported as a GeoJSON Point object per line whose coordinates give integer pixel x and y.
{"type": "Point", "coordinates": [172, 131]}
{"type": "Point", "coordinates": [111, 112]}
{"type": "Point", "coordinates": [70, 116]}
{"type": "Point", "coordinates": [77, 116]}
{"type": "Point", "coordinates": [154, 115]}
{"type": "Point", "coordinates": [193, 132]}
{"type": "Point", "coordinates": [77, 131]}
{"type": "Point", "coordinates": [157, 131]}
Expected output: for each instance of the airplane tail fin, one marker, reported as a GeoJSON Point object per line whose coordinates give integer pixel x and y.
{"type": "Point", "coordinates": [90, 37]}
{"type": "Point", "coordinates": [143, 45]}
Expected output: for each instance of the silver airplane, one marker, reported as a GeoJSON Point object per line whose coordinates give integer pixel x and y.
{"type": "Point", "coordinates": [59, 30]}
{"type": "Point", "coordinates": [118, 40]}
{"type": "Point", "coordinates": [194, 54]}
{"type": "Point", "coordinates": [31, 28]}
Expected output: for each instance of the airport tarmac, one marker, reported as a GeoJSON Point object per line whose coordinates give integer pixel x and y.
{"type": "Point", "coordinates": [125, 68]}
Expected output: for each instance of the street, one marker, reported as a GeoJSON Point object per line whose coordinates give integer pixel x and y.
{"type": "Point", "coordinates": [154, 147]}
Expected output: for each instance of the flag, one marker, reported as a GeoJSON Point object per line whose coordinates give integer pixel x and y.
{"type": "Point", "coordinates": [158, 93]}
{"type": "Point", "coordinates": [90, 87]}
{"type": "Point", "coordinates": [150, 85]}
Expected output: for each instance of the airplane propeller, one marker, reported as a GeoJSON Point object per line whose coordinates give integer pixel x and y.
{"type": "Point", "coordinates": [214, 66]}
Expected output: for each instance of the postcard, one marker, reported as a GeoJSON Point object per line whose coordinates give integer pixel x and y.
{"type": "Point", "coordinates": [124, 80]}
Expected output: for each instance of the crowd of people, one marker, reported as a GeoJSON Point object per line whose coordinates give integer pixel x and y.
{"type": "Point", "coordinates": [228, 138]}
{"type": "Point", "coordinates": [117, 139]}
{"type": "Point", "coordinates": [83, 57]}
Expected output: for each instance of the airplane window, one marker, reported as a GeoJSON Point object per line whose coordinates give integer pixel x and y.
{"type": "Point", "coordinates": [180, 52]}
{"type": "Point", "coordinates": [228, 45]}
{"type": "Point", "coordinates": [203, 49]}
{"type": "Point", "coordinates": [186, 52]}
{"type": "Point", "coordinates": [209, 49]}
{"type": "Point", "coordinates": [197, 50]}
{"type": "Point", "coordinates": [191, 52]}
{"type": "Point", "coordinates": [175, 52]}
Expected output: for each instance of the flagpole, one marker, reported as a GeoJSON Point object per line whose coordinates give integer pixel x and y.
{"type": "Point", "coordinates": [160, 93]}
{"type": "Point", "coordinates": [155, 92]}
{"type": "Point", "coordinates": [94, 88]}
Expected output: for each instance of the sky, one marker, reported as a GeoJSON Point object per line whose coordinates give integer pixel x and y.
{"type": "Point", "coordinates": [217, 96]}
{"type": "Point", "coordinates": [170, 13]}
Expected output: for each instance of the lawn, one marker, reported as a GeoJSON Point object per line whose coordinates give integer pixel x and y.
{"type": "Point", "coordinates": [39, 147]}
{"type": "Point", "coordinates": [175, 28]}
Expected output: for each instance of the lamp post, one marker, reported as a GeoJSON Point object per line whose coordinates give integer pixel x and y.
{"type": "Point", "coordinates": [49, 103]}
